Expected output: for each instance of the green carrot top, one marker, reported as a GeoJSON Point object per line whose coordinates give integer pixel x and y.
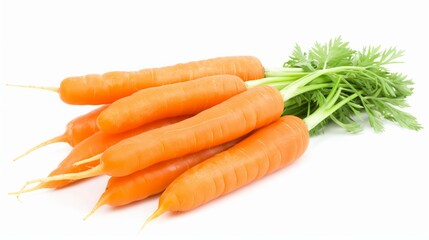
{"type": "Point", "coordinates": [333, 73]}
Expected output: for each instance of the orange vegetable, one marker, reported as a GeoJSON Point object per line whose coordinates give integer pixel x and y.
{"type": "Point", "coordinates": [263, 152]}
{"type": "Point", "coordinates": [184, 98]}
{"type": "Point", "coordinates": [219, 124]}
{"type": "Point", "coordinates": [77, 130]}
{"type": "Point", "coordinates": [94, 145]}
{"type": "Point", "coordinates": [111, 86]}
{"type": "Point", "coordinates": [154, 179]}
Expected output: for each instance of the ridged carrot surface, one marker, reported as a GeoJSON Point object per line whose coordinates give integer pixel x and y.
{"type": "Point", "coordinates": [221, 123]}
{"type": "Point", "coordinates": [178, 99]}
{"type": "Point", "coordinates": [111, 86]}
{"type": "Point", "coordinates": [154, 179]}
{"type": "Point", "coordinates": [263, 152]}
{"type": "Point", "coordinates": [224, 122]}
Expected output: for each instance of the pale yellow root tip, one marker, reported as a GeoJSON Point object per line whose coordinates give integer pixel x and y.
{"type": "Point", "coordinates": [161, 210]}
{"type": "Point", "coordinates": [99, 203]}
{"type": "Point", "coordinates": [60, 138]}
{"type": "Point", "coordinates": [52, 89]}
{"type": "Point", "coordinates": [91, 159]}
{"type": "Point", "coordinates": [18, 193]}
{"type": "Point", "coordinates": [96, 171]}
{"type": "Point", "coordinates": [23, 190]}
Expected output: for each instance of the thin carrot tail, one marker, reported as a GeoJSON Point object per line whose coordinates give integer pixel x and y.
{"type": "Point", "coordinates": [161, 210]}
{"type": "Point", "coordinates": [23, 190]}
{"type": "Point", "coordinates": [95, 171]}
{"type": "Point", "coordinates": [88, 160]}
{"type": "Point", "coordinates": [101, 201]}
{"type": "Point", "coordinates": [32, 189]}
{"type": "Point", "coordinates": [60, 138]}
{"type": "Point", "coordinates": [52, 89]}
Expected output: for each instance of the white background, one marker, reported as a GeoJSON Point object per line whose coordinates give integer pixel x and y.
{"type": "Point", "coordinates": [363, 186]}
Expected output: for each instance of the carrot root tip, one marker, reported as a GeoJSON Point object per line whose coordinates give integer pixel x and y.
{"type": "Point", "coordinates": [52, 89]}
{"type": "Point", "coordinates": [88, 160]}
{"type": "Point", "coordinates": [161, 210]}
{"type": "Point", "coordinates": [99, 203]}
{"type": "Point", "coordinates": [23, 190]}
{"type": "Point", "coordinates": [60, 138]}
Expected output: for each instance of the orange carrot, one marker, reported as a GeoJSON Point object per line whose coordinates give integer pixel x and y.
{"type": "Point", "coordinates": [263, 152]}
{"type": "Point", "coordinates": [233, 118]}
{"type": "Point", "coordinates": [76, 131]}
{"type": "Point", "coordinates": [94, 145]}
{"type": "Point", "coordinates": [184, 98]}
{"type": "Point", "coordinates": [111, 86]}
{"type": "Point", "coordinates": [154, 179]}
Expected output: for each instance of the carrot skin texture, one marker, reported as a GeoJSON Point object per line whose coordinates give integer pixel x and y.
{"type": "Point", "coordinates": [263, 152]}
{"type": "Point", "coordinates": [233, 118]}
{"type": "Point", "coordinates": [94, 145]}
{"type": "Point", "coordinates": [154, 179]}
{"type": "Point", "coordinates": [111, 86]}
{"type": "Point", "coordinates": [83, 126]}
{"type": "Point", "coordinates": [184, 98]}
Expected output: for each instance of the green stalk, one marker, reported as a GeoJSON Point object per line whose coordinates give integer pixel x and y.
{"type": "Point", "coordinates": [285, 72]}
{"type": "Point", "coordinates": [271, 81]}
{"type": "Point", "coordinates": [292, 90]}
{"type": "Point", "coordinates": [327, 109]}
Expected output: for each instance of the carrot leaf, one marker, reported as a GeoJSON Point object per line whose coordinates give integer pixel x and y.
{"type": "Point", "coordinates": [335, 69]}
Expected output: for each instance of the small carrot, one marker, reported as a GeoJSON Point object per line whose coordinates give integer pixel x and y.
{"type": "Point", "coordinates": [106, 88]}
{"type": "Point", "coordinates": [93, 145]}
{"type": "Point", "coordinates": [152, 180]}
{"type": "Point", "coordinates": [184, 98]}
{"type": "Point", "coordinates": [233, 118]}
{"type": "Point", "coordinates": [76, 131]}
{"type": "Point", "coordinates": [263, 152]}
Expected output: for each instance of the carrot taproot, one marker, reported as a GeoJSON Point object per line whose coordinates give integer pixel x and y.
{"type": "Point", "coordinates": [228, 120]}
{"type": "Point", "coordinates": [183, 98]}
{"type": "Point", "coordinates": [76, 131]}
{"type": "Point", "coordinates": [266, 150]}
{"type": "Point", "coordinates": [93, 145]}
{"type": "Point", "coordinates": [152, 180]}
{"type": "Point", "coordinates": [93, 89]}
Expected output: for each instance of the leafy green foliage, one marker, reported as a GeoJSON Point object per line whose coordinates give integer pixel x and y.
{"type": "Point", "coordinates": [380, 93]}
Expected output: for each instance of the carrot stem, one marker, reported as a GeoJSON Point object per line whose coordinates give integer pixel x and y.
{"type": "Point", "coordinates": [60, 138]}
{"type": "Point", "coordinates": [285, 72]}
{"type": "Point", "coordinates": [271, 81]}
{"type": "Point", "coordinates": [52, 89]}
{"type": "Point", "coordinates": [293, 89]}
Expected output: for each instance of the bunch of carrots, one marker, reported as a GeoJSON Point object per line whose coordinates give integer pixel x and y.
{"type": "Point", "coordinates": [196, 131]}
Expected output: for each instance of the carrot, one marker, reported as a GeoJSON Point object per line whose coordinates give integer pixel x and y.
{"type": "Point", "coordinates": [263, 152]}
{"type": "Point", "coordinates": [76, 131]}
{"type": "Point", "coordinates": [108, 87]}
{"type": "Point", "coordinates": [94, 145]}
{"type": "Point", "coordinates": [152, 180]}
{"type": "Point", "coordinates": [233, 118]}
{"type": "Point", "coordinates": [184, 98]}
